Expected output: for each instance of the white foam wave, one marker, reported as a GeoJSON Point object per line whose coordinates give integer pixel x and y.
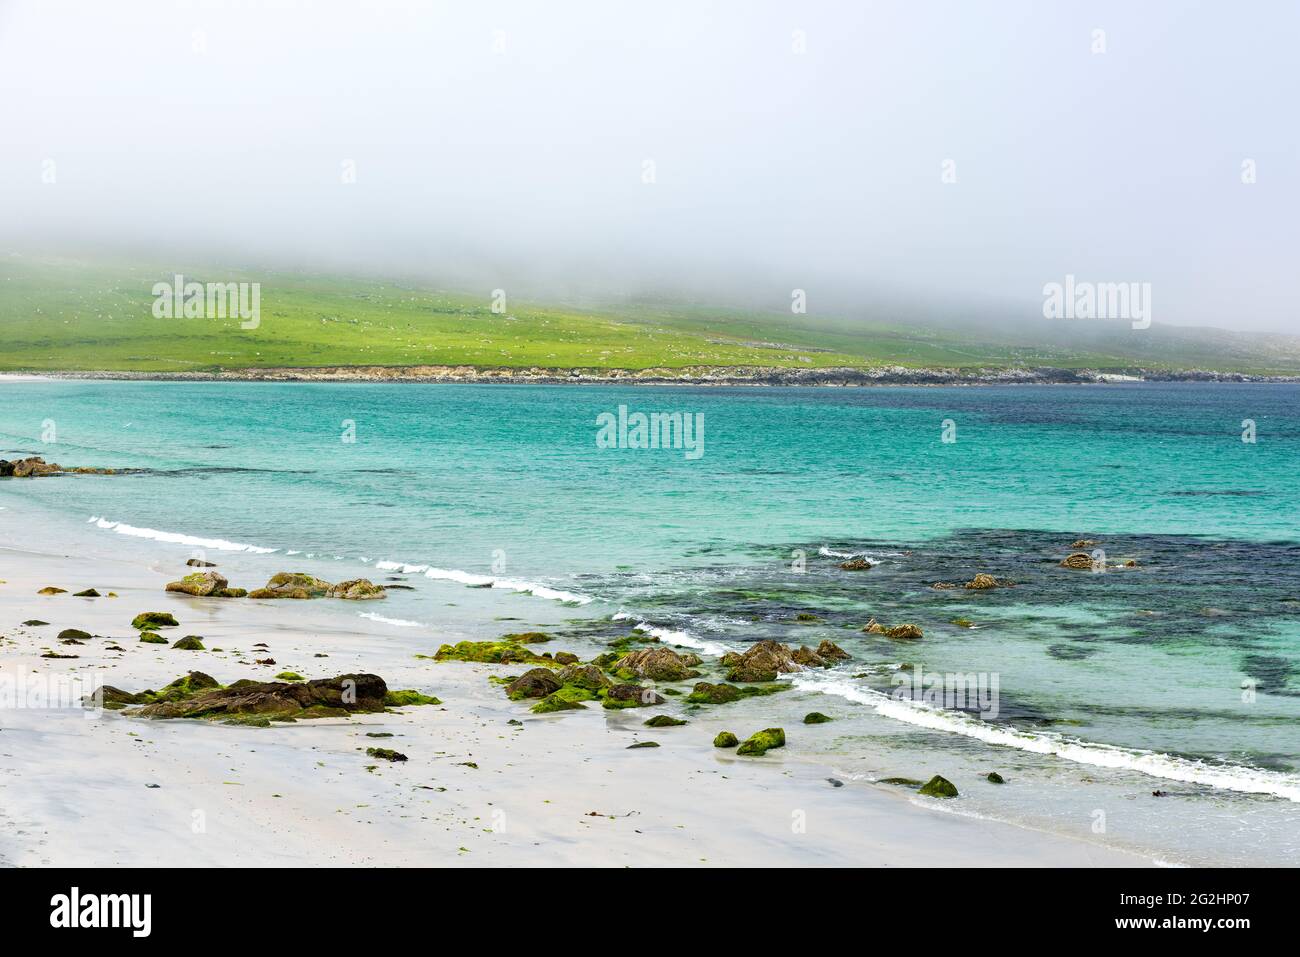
{"type": "Point", "coordinates": [399, 622]}
{"type": "Point", "coordinates": [179, 538]}
{"type": "Point", "coordinates": [826, 552]}
{"type": "Point", "coordinates": [668, 635]}
{"type": "Point", "coordinates": [1154, 763]}
{"type": "Point", "coordinates": [510, 584]}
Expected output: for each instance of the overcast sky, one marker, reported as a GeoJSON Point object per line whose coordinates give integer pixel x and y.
{"type": "Point", "coordinates": [499, 143]}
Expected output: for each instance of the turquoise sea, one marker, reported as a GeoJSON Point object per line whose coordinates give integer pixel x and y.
{"type": "Point", "coordinates": [1181, 675]}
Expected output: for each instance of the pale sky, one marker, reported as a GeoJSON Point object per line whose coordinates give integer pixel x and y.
{"type": "Point", "coordinates": [507, 142]}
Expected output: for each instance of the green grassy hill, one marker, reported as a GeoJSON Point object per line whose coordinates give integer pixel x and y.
{"type": "Point", "coordinates": [80, 316]}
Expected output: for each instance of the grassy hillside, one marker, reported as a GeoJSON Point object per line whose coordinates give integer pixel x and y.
{"type": "Point", "coordinates": [63, 315]}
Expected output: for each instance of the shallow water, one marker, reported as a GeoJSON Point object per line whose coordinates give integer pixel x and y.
{"type": "Point", "coordinates": [1178, 675]}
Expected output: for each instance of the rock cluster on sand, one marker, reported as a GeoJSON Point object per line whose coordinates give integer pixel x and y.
{"type": "Point", "coordinates": [198, 695]}
{"type": "Point", "coordinates": [204, 585]}
{"type": "Point", "coordinates": [34, 466]}
{"type": "Point", "coordinates": [659, 664]}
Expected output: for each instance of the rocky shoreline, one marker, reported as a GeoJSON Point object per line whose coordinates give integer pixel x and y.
{"type": "Point", "coordinates": [689, 375]}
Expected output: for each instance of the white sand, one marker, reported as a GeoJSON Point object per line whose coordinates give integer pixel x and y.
{"type": "Point", "coordinates": [75, 791]}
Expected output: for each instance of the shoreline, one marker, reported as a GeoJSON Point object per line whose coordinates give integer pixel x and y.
{"type": "Point", "coordinates": [723, 376]}
{"type": "Point", "coordinates": [553, 790]}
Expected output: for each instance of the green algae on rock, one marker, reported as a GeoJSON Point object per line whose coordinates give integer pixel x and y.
{"type": "Point", "coordinates": [189, 643]}
{"type": "Point", "coordinates": [88, 593]}
{"type": "Point", "coordinates": [705, 693]}
{"type": "Point", "coordinates": [902, 782]}
{"type": "Point", "coordinates": [298, 585]}
{"type": "Point", "coordinates": [356, 589]}
{"type": "Point", "coordinates": [643, 744]}
{"type": "Point", "coordinates": [151, 638]}
{"type": "Point", "coordinates": [149, 620]}
{"type": "Point", "coordinates": [725, 739]}
{"type": "Point", "coordinates": [760, 742]}
{"type": "Point", "coordinates": [385, 754]}
{"type": "Point", "coordinates": [490, 652]}
{"type": "Point", "coordinates": [938, 786]}
{"type": "Point", "coordinates": [407, 697]}
{"type": "Point", "coordinates": [200, 584]}
{"type": "Point", "coordinates": [816, 717]}
{"type": "Point", "coordinates": [290, 676]}
{"type": "Point", "coordinates": [663, 721]}
{"type": "Point", "coordinates": [198, 695]}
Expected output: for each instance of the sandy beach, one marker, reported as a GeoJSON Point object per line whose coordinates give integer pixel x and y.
{"type": "Point", "coordinates": [87, 788]}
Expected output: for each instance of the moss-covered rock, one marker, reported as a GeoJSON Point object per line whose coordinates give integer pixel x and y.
{"type": "Point", "coordinates": [408, 696]}
{"type": "Point", "coordinates": [663, 721]}
{"type": "Point", "coordinates": [556, 702]}
{"type": "Point", "coordinates": [565, 658]}
{"type": "Point", "coordinates": [356, 589]}
{"type": "Point", "coordinates": [35, 623]}
{"type": "Point", "coordinates": [51, 590]}
{"type": "Point", "coordinates": [643, 744]}
{"type": "Point", "coordinates": [152, 638]}
{"type": "Point", "coordinates": [808, 658]}
{"type": "Point", "coordinates": [1081, 561]}
{"type": "Point", "coordinates": [297, 585]}
{"type": "Point", "coordinates": [705, 693]}
{"type": "Point", "coordinates": [74, 635]}
{"type": "Point", "coordinates": [983, 582]}
{"type": "Point", "coordinates": [385, 754]}
{"type": "Point", "coordinates": [816, 717]}
{"type": "Point", "coordinates": [629, 696]}
{"type": "Point", "coordinates": [290, 676]}
{"type": "Point", "coordinates": [760, 742]}
{"type": "Point", "coordinates": [150, 620]}
{"type": "Point", "coordinates": [658, 664]}
{"type": "Point", "coordinates": [902, 782]}
{"type": "Point", "coordinates": [528, 637]}
{"type": "Point", "coordinates": [537, 683]}
{"type": "Point", "coordinates": [726, 739]}
{"type": "Point", "coordinates": [189, 643]}
{"type": "Point", "coordinates": [489, 652]}
{"type": "Point", "coordinates": [938, 786]}
{"type": "Point", "coordinates": [761, 661]}
{"type": "Point", "coordinates": [585, 676]}
{"type": "Point", "coordinates": [199, 584]}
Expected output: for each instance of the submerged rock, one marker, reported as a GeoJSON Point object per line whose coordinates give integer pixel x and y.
{"type": "Point", "coordinates": [1080, 561]}
{"type": "Point", "coordinates": [760, 742]}
{"type": "Point", "coordinates": [902, 782]}
{"type": "Point", "coordinates": [149, 620]}
{"type": "Point", "coordinates": [356, 589]}
{"type": "Point", "coordinates": [200, 584]}
{"type": "Point", "coordinates": [816, 717]}
{"type": "Point", "coordinates": [725, 739]}
{"type": "Point", "coordinates": [762, 661]}
{"type": "Point", "coordinates": [1083, 543]}
{"type": "Point", "coordinates": [856, 565]}
{"type": "Point", "coordinates": [658, 664]}
{"type": "Point", "coordinates": [292, 585]}
{"type": "Point", "coordinates": [705, 693]}
{"type": "Point", "coordinates": [938, 787]}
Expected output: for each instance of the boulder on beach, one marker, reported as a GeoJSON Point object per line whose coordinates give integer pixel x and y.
{"type": "Point", "coordinates": [357, 589]}
{"type": "Point", "coordinates": [152, 638]}
{"type": "Point", "coordinates": [149, 620]}
{"type": "Point", "coordinates": [200, 584]}
{"type": "Point", "coordinates": [663, 721]}
{"type": "Point", "coordinates": [726, 739]}
{"type": "Point", "coordinates": [88, 593]}
{"type": "Point", "coordinates": [762, 661]}
{"type": "Point", "coordinates": [630, 696]}
{"type": "Point", "coordinates": [189, 643]}
{"type": "Point", "coordinates": [566, 658]}
{"type": "Point", "coordinates": [760, 742]}
{"type": "Point", "coordinates": [385, 754]}
{"type": "Point", "coordinates": [74, 634]}
{"type": "Point", "coordinates": [938, 787]}
{"type": "Point", "coordinates": [588, 677]}
{"type": "Point", "coordinates": [292, 585]}
{"type": "Point", "coordinates": [658, 664]}
{"type": "Point", "coordinates": [537, 683]}
{"type": "Point", "coordinates": [51, 590]}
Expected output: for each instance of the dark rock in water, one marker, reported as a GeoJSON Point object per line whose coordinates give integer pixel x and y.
{"type": "Point", "coordinates": [51, 590]}
{"type": "Point", "coordinates": [835, 782]}
{"type": "Point", "coordinates": [385, 754]}
{"type": "Point", "coordinates": [292, 585]}
{"type": "Point", "coordinates": [906, 632]}
{"type": "Point", "coordinates": [528, 637]}
{"type": "Point", "coordinates": [537, 683]}
{"type": "Point", "coordinates": [829, 651]}
{"type": "Point", "coordinates": [1159, 794]}
{"type": "Point", "coordinates": [856, 565]}
{"type": "Point", "coordinates": [659, 664]}
{"type": "Point", "coordinates": [73, 634]}
{"type": "Point", "coordinates": [643, 744]}
{"type": "Point", "coordinates": [357, 589]}
{"type": "Point", "coordinates": [88, 593]}
{"type": "Point", "coordinates": [200, 584]}
{"type": "Point", "coordinates": [149, 620]}
{"type": "Point", "coordinates": [1070, 652]}
{"type": "Point", "coordinates": [902, 782]}
{"type": "Point", "coordinates": [943, 586]}
{"type": "Point", "coordinates": [189, 643]}
{"type": "Point", "coordinates": [816, 717]}
{"type": "Point", "coordinates": [808, 658]}
{"type": "Point", "coordinates": [400, 587]}
{"type": "Point", "coordinates": [35, 623]}
{"type": "Point", "coordinates": [515, 721]}
{"type": "Point", "coordinates": [663, 721]}
{"type": "Point", "coordinates": [200, 563]}
{"type": "Point", "coordinates": [1079, 560]}
{"type": "Point", "coordinates": [725, 739]}
{"type": "Point", "coordinates": [995, 778]}
{"type": "Point", "coordinates": [762, 661]}
{"type": "Point", "coordinates": [938, 787]}
{"type": "Point", "coordinates": [807, 617]}
{"type": "Point", "coordinates": [630, 696]}
{"type": "Point", "coordinates": [760, 742]}
{"type": "Point", "coordinates": [322, 697]}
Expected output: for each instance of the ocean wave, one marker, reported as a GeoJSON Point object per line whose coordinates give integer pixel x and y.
{"type": "Point", "coordinates": [672, 637]}
{"type": "Point", "coordinates": [875, 559]}
{"type": "Point", "coordinates": [1155, 763]}
{"type": "Point", "coordinates": [510, 584]}
{"type": "Point", "coordinates": [179, 538]}
{"type": "Point", "coordinates": [399, 622]}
